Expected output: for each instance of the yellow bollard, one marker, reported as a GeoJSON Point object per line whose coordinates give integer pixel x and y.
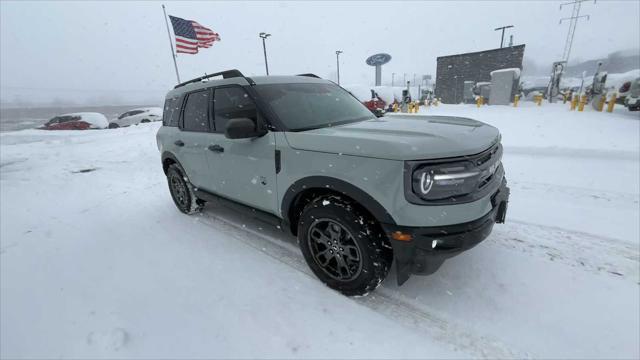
{"type": "Point", "coordinates": [574, 102]}
{"type": "Point", "coordinates": [612, 102]}
{"type": "Point", "coordinates": [515, 100]}
{"type": "Point", "coordinates": [601, 101]}
{"type": "Point", "coordinates": [583, 101]}
{"type": "Point", "coordinates": [479, 101]}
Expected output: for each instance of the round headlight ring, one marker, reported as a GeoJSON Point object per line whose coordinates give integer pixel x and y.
{"type": "Point", "coordinates": [426, 182]}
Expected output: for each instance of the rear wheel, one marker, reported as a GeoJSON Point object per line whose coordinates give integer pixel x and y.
{"type": "Point", "coordinates": [182, 191]}
{"type": "Point", "coordinates": [113, 126]}
{"type": "Point", "coordinates": [343, 246]}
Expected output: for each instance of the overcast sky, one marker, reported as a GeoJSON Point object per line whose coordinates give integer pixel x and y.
{"type": "Point", "coordinates": [119, 51]}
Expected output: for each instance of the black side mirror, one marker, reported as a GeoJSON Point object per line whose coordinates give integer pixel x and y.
{"type": "Point", "coordinates": [243, 128]}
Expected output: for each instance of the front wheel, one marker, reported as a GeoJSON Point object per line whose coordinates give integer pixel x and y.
{"type": "Point", "coordinates": [343, 246]}
{"type": "Point", "coordinates": [182, 191]}
{"type": "Point", "coordinates": [113, 126]}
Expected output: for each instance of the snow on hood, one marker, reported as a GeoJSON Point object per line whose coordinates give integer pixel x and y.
{"type": "Point", "coordinates": [96, 120]}
{"type": "Point", "coordinates": [400, 137]}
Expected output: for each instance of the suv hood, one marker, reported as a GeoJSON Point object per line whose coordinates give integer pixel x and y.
{"type": "Point", "coordinates": [400, 137]}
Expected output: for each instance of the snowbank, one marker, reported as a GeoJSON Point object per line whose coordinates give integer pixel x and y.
{"type": "Point", "coordinates": [614, 81]}
{"type": "Point", "coordinates": [363, 93]}
{"type": "Point", "coordinates": [515, 70]}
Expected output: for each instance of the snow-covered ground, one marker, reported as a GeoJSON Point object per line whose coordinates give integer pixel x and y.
{"type": "Point", "coordinates": [95, 260]}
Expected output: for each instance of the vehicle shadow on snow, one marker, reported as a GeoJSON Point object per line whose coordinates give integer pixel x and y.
{"type": "Point", "coordinates": [459, 272]}
{"type": "Point", "coordinates": [421, 303]}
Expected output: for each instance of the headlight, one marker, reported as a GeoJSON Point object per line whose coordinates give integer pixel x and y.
{"type": "Point", "coordinates": [438, 182]}
{"type": "Point", "coordinates": [462, 179]}
{"type": "Point", "coordinates": [425, 182]}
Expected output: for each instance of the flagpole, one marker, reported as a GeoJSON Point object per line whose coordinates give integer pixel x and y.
{"type": "Point", "coordinates": [173, 55]}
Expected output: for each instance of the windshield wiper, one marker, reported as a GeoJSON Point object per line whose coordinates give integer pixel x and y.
{"type": "Point", "coordinates": [339, 123]}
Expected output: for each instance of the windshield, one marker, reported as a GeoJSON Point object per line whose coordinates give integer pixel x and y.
{"type": "Point", "coordinates": [311, 106]}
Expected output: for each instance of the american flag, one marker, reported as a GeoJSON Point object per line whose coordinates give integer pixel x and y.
{"type": "Point", "coordinates": [190, 35]}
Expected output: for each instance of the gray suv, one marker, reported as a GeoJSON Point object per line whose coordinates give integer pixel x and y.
{"type": "Point", "coordinates": [359, 191]}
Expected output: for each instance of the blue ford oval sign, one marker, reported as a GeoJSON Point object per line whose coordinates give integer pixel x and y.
{"type": "Point", "coordinates": [378, 59]}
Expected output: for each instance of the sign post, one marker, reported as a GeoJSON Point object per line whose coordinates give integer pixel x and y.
{"type": "Point", "coordinates": [378, 60]}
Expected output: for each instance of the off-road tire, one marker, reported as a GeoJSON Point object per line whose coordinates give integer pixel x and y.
{"type": "Point", "coordinates": [373, 246]}
{"type": "Point", "coordinates": [182, 191]}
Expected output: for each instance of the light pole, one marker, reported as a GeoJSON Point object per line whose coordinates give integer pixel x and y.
{"type": "Point", "coordinates": [502, 28]}
{"type": "Point", "coordinates": [338, 52]}
{"type": "Point", "coordinates": [404, 78]}
{"type": "Point", "coordinates": [264, 36]}
{"type": "Point", "coordinates": [393, 77]}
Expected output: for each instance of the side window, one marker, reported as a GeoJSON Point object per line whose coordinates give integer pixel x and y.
{"type": "Point", "coordinates": [171, 112]}
{"type": "Point", "coordinates": [196, 112]}
{"type": "Point", "coordinates": [135, 112]}
{"type": "Point", "coordinates": [123, 115]}
{"type": "Point", "coordinates": [230, 103]}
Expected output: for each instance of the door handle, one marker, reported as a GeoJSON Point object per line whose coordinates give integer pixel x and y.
{"type": "Point", "coordinates": [179, 143]}
{"type": "Point", "coordinates": [216, 148]}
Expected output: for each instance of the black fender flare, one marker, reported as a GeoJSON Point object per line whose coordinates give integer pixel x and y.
{"type": "Point", "coordinates": [337, 185]}
{"type": "Point", "coordinates": [168, 155]}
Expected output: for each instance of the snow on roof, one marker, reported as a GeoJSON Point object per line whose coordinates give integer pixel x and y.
{"type": "Point", "coordinates": [515, 70]}
{"type": "Point", "coordinates": [616, 80]}
{"type": "Point", "coordinates": [482, 83]}
{"type": "Point", "coordinates": [97, 120]}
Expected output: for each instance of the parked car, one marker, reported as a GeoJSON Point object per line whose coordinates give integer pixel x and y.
{"type": "Point", "coordinates": [359, 192]}
{"type": "Point", "coordinates": [137, 116]}
{"type": "Point", "coordinates": [375, 103]}
{"type": "Point", "coordinates": [623, 91]}
{"type": "Point", "coordinates": [632, 100]}
{"type": "Point", "coordinates": [77, 121]}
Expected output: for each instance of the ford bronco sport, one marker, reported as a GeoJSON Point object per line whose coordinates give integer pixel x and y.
{"type": "Point", "coordinates": [358, 191]}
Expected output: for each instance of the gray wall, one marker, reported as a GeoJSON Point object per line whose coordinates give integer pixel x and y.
{"type": "Point", "coordinates": [454, 70]}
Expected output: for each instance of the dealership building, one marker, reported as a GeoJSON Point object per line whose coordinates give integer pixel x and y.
{"type": "Point", "coordinates": [454, 70]}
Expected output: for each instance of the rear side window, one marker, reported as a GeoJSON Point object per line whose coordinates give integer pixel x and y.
{"type": "Point", "coordinates": [171, 112]}
{"type": "Point", "coordinates": [230, 103]}
{"type": "Point", "coordinates": [196, 112]}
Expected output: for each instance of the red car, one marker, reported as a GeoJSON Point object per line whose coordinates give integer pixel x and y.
{"type": "Point", "coordinates": [77, 121]}
{"type": "Point", "coordinates": [375, 102]}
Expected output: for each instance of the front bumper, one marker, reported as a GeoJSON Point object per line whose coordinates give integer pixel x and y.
{"type": "Point", "coordinates": [429, 247]}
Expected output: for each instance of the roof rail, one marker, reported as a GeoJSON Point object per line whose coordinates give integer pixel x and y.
{"type": "Point", "coordinates": [225, 75]}
{"type": "Point", "coordinates": [310, 75]}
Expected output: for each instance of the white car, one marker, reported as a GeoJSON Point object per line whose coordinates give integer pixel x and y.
{"type": "Point", "coordinates": [137, 116]}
